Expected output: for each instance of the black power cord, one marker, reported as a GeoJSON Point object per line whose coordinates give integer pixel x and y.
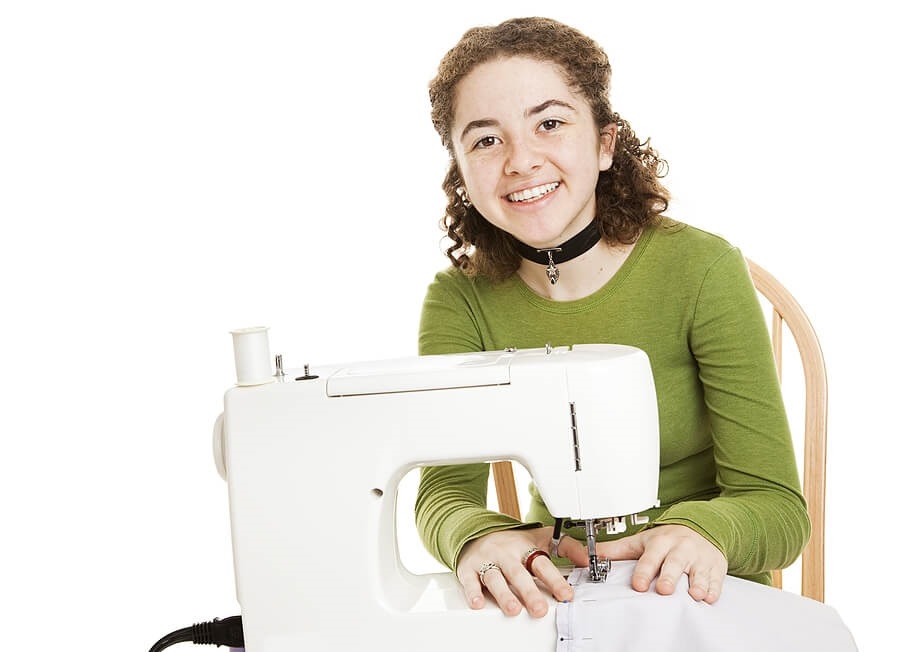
{"type": "Point", "coordinates": [228, 632]}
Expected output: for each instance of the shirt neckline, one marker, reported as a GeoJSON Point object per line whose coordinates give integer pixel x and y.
{"type": "Point", "coordinates": [601, 295]}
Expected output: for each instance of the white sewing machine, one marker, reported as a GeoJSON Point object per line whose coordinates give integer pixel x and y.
{"type": "Point", "coordinates": [313, 461]}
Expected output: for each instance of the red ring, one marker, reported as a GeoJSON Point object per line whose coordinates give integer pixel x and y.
{"type": "Point", "coordinates": [530, 559]}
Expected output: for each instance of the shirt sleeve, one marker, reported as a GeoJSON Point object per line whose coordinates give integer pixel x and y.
{"type": "Point", "coordinates": [451, 504]}
{"type": "Point", "coordinates": [759, 520]}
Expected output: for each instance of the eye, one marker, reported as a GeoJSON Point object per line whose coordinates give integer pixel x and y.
{"type": "Point", "coordinates": [487, 141]}
{"type": "Point", "coordinates": [550, 124]}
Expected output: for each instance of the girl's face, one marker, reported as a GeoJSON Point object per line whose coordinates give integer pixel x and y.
{"type": "Point", "coordinates": [528, 150]}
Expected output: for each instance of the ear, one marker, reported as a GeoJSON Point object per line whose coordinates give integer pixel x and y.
{"type": "Point", "coordinates": [607, 146]}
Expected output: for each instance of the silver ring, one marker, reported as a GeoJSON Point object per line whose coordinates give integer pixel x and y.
{"type": "Point", "coordinates": [554, 545]}
{"type": "Point", "coordinates": [485, 567]}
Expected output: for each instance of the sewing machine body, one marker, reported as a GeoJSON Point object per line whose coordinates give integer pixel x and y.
{"type": "Point", "coordinates": [313, 465]}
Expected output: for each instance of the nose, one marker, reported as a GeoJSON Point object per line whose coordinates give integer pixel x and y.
{"type": "Point", "coordinates": [523, 156]}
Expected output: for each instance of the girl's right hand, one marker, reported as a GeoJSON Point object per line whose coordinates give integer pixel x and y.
{"type": "Point", "coordinates": [510, 583]}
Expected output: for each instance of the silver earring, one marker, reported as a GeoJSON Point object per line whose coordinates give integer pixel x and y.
{"type": "Point", "coordinates": [464, 196]}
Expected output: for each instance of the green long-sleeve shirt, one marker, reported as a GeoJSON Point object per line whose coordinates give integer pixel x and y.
{"type": "Point", "coordinates": [727, 465]}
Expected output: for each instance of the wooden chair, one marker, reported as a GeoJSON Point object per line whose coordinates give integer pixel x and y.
{"type": "Point", "coordinates": [785, 310]}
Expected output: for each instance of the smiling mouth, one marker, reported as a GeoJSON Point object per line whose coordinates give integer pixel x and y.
{"type": "Point", "coordinates": [530, 194]}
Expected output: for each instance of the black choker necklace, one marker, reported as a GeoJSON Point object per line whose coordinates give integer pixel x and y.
{"type": "Point", "coordinates": [553, 256]}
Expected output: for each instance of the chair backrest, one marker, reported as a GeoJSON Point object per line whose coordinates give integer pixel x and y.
{"type": "Point", "coordinates": [785, 310]}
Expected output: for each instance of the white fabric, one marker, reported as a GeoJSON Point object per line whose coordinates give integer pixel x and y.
{"type": "Point", "coordinates": [748, 616]}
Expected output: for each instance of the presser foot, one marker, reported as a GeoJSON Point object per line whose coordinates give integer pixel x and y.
{"type": "Point", "coordinates": [599, 569]}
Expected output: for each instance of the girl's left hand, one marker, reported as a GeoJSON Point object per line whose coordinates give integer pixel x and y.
{"type": "Point", "coordinates": [667, 551]}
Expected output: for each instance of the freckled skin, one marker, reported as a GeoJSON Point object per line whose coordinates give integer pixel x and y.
{"type": "Point", "coordinates": [518, 125]}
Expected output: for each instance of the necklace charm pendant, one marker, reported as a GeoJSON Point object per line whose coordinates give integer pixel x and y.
{"type": "Point", "coordinates": [552, 273]}
{"type": "Point", "coordinates": [572, 248]}
{"type": "Point", "coordinates": [552, 270]}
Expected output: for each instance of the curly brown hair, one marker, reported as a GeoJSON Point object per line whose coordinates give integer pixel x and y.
{"type": "Point", "coordinates": [629, 194]}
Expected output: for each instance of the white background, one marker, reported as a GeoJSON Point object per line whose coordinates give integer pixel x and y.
{"type": "Point", "coordinates": [171, 170]}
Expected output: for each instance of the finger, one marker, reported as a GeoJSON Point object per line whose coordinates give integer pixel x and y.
{"type": "Point", "coordinates": [631, 547]}
{"type": "Point", "coordinates": [673, 567]}
{"type": "Point", "coordinates": [495, 583]}
{"type": "Point", "coordinates": [573, 550]}
{"type": "Point", "coordinates": [529, 594]}
{"type": "Point", "coordinates": [647, 568]}
{"type": "Point", "coordinates": [698, 583]}
{"type": "Point", "coordinates": [716, 580]}
{"type": "Point", "coordinates": [546, 571]}
{"type": "Point", "coordinates": [471, 585]}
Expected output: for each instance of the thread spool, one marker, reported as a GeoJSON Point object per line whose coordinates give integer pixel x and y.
{"type": "Point", "coordinates": [251, 356]}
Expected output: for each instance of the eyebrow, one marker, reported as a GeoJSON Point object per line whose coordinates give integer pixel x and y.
{"type": "Point", "coordinates": [477, 124]}
{"type": "Point", "coordinates": [490, 122]}
{"type": "Point", "coordinates": [546, 105]}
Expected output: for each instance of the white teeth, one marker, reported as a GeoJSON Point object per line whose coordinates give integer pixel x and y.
{"type": "Point", "coordinates": [532, 193]}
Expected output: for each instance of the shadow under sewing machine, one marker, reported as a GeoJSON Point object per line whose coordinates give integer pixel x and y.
{"type": "Point", "coordinates": [313, 461]}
